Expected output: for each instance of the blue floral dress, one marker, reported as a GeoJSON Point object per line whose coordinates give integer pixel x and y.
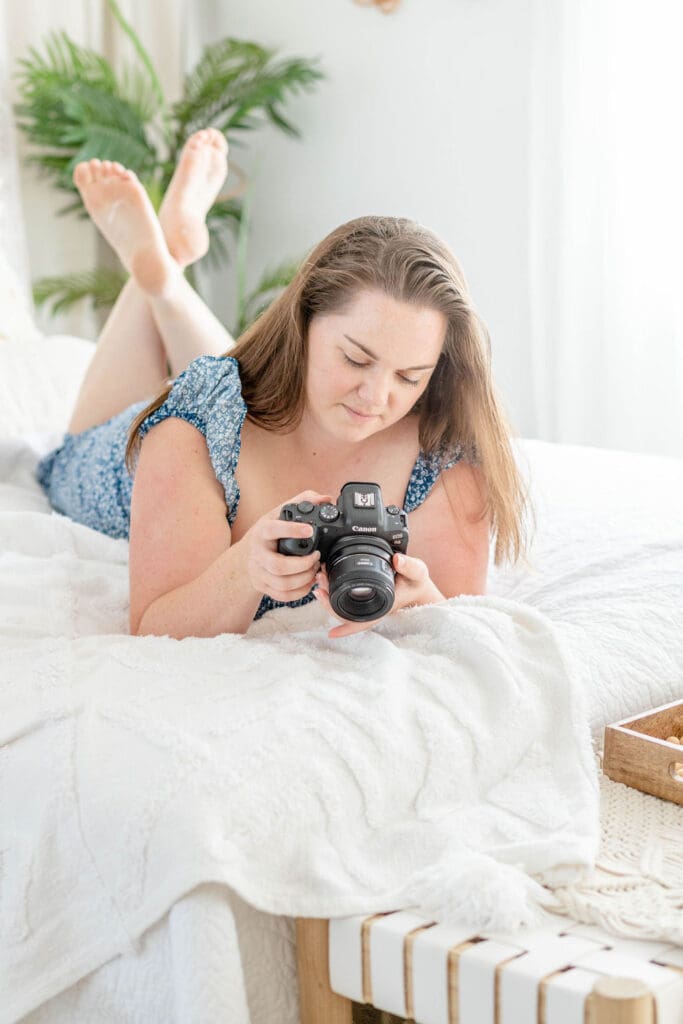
{"type": "Point", "coordinates": [86, 477]}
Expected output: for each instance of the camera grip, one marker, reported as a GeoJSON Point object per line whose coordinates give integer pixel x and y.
{"type": "Point", "coordinates": [296, 545]}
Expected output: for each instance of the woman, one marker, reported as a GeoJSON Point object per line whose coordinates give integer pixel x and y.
{"type": "Point", "coordinates": [371, 365]}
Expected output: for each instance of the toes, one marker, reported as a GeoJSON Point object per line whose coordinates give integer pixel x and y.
{"type": "Point", "coordinates": [82, 174]}
{"type": "Point", "coordinates": [95, 169]}
{"type": "Point", "coordinates": [89, 172]}
{"type": "Point", "coordinates": [208, 137]}
{"type": "Point", "coordinates": [217, 139]}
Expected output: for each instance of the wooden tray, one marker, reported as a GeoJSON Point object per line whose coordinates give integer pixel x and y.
{"type": "Point", "coordinates": [638, 754]}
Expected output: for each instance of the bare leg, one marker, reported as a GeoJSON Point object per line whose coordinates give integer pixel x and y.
{"type": "Point", "coordinates": [133, 355]}
{"type": "Point", "coordinates": [129, 363]}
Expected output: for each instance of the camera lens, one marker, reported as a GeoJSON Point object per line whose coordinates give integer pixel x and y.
{"type": "Point", "coordinates": [361, 578]}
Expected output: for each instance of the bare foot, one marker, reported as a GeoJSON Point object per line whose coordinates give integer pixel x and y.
{"type": "Point", "coordinates": [201, 171]}
{"type": "Point", "coordinates": [121, 208]}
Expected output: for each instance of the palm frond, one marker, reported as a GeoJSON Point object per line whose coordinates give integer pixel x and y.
{"type": "Point", "coordinates": [53, 165]}
{"type": "Point", "coordinates": [101, 286]}
{"type": "Point", "coordinates": [241, 259]}
{"type": "Point", "coordinates": [223, 220]}
{"type": "Point", "coordinates": [112, 142]}
{"type": "Point", "coordinates": [224, 213]}
{"type": "Point", "coordinates": [69, 61]}
{"type": "Point", "coordinates": [153, 78]}
{"type": "Point", "coordinates": [218, 253]}
{"type": "Point", "coordinates": [71, 107]}
{"type": "Point", "coordinates": [234, 81]}
{"type": "Point", "coordinates": [270, 285]}
{"type": "Point", "coordinates": [76, 207]}
{"type": "Point", "coordinates": [137, 90]}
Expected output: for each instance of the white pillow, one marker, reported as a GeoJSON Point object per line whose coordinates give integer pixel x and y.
{"type": "Point", "coordinates": [40, 376]}
{"type": "Point", "coordinates": [16, 320]}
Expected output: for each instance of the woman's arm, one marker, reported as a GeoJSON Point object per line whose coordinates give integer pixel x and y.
{"type": "Point", "coordinates": [218, 601]}
{"type": "Point", "coordinates": [450, 533]}
{"type": "Point", "coordinates": [186, 578]}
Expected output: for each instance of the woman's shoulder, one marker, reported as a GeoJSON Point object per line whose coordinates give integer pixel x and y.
{"type": "Point", "coordinates": [207, 377]}
{"type": "Point", "coordinates": [209, 385]}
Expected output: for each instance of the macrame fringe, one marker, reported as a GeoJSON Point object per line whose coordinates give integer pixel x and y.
{"type": "Point", "coordinates": [647, 919]}
{"type": "Point", "coordinates": [634, 891]}
{"type": "Point", "coordinates": [636, 887]}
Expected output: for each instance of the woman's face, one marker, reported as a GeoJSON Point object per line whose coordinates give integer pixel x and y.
{"type": "Point", "coordinates": [368, 365]}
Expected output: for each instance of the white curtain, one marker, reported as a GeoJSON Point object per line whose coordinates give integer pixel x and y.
{"type": "Point", "coordinates": [606, 160]}
{"type": "Point", "coordinates": [13, 251]}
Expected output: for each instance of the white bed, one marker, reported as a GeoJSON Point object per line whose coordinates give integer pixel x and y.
{"type": "Point", "coordinates": [606, 580]}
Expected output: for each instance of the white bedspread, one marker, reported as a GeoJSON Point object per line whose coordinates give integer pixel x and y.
{"type": "Point", "coordinates": [317, 777]}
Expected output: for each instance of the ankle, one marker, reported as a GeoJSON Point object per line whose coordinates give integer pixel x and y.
{"type": "Point", "coordinates": [156, 273]}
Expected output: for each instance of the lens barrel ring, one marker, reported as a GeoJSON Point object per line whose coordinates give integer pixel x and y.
{"type": "Point", "coordinates": [361, 563]}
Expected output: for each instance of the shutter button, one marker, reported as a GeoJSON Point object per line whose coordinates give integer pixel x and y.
{"type": "Point", "coordinates": [393, 510]}
{"type": "Point", "coordinates": [305, 507]}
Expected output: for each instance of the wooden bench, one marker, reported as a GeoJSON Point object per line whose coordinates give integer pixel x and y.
{"type": "Point", "coordinates": [407, 965]}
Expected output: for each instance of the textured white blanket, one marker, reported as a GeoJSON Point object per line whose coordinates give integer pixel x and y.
{"type": "Point", "coordinates": [443, 754]}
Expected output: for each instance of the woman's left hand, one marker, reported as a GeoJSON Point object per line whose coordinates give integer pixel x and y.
{"type": "Point", "coordinates": [413, 587]}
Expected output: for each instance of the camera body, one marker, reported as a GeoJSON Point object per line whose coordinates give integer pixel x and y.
{"type": "Point", "coordinates": [357, 538]}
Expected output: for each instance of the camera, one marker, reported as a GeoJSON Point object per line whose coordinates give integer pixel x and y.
{"type": "Point", "coordinates": [356, 538]}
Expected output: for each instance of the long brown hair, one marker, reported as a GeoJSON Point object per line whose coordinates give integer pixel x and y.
{"type": "Point", "coordinates": [459, 406]}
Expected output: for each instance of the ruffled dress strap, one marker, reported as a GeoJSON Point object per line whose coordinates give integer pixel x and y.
{"type": "Point", "coordinates": [426, 471]}
{"type": "Point", "coordinates": [208, 394]}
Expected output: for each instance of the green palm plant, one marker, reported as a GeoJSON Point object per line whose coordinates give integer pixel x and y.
{"type": "Point", "coordinates": [72, 106]}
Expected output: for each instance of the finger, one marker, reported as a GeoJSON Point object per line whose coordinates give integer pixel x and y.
{"type": "Point", "coordinates": [349, 628]}
{"type": "Point", "coordinates": [276, 529]}
{"type": "Point", "coordinates": [287, 583]}
{"type": "Point", "coordinates": [278, 594]}
{"type": "Point", "coordinates": [323, 598]}
{"type": "Point", "coordinates": [345, 628]}
{"type": "Point", "coordinates": [411, 568]}
{"type": "Point", "coordinates": [290, 565]}
{"type": "Point", "coordinates": [312, 496]}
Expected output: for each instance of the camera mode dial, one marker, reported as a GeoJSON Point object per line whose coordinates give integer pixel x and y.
{"type": "Point", "coordinates": [328, 513]}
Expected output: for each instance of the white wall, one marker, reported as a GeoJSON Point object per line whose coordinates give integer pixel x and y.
{"type": "Point", "coordinates": [424, 114]}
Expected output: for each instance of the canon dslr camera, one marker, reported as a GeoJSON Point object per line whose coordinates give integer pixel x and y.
{"type": "Point", "coordinates": [356, 538]}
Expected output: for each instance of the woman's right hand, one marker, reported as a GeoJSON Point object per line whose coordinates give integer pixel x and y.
{"type": "Point", "coordinates": [281, 577]}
